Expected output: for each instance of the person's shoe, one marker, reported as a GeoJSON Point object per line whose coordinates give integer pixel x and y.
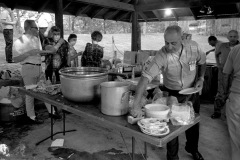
{"type": "Point", "coordinates": [35, 121]}
{"type": "Point", "coordinates": [10, 62]}
{"type": "Point", "coordinates": [216, 115]}
{"type": "Point", "coordinates": [196, 155]}
{"type": "Point", "coordinates": [55, 116]}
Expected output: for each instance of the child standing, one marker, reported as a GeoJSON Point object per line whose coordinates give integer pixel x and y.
{"type": "Point", "coordinates": [93, 54]}
{"type": "Point", "coordinates": [73, 55]}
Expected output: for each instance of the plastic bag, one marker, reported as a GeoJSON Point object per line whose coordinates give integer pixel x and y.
{"type": "Point", "coordinates": [182, 114]}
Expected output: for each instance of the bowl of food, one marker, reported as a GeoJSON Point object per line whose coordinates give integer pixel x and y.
{"type": "Point", "coordinates": [159, 111]}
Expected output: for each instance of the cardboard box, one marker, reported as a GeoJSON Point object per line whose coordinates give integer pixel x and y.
{"type": "Point", "coordinates": [129, 57]}
{"type": "Point", "coordinates": [142, 56]}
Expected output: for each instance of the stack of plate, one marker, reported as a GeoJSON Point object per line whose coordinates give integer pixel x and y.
{"type": "Point", "coordinates": [153, 127]}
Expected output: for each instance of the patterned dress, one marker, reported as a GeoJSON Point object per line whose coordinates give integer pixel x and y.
{"type": "Point", "coordinates": [57, 61]}
{"type": "Point", "coordinates": [92, 55]}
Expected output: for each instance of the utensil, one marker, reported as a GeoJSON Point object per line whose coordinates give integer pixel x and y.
{"type": "Point", "coordinates": [189, 91]}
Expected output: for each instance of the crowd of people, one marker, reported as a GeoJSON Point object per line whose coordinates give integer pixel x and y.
{"type": "Point", "coordinates": [181, 62]}
{"type": "Point", "coordinates": [42, 52]}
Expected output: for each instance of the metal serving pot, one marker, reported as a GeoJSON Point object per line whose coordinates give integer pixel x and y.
{"type": "Point", "coordinates": [115, 98]}
{"type": "Point", "coordinates": [82, 84]}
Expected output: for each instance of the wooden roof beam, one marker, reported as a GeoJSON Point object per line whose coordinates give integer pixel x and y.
{"type": "Point", "coordinates": [43, 6]}
{"type": "Point", "coordinates": [83, 10]}
{"type": "Point", "coordinates": [109, 4]}
{"type": "Point", "coordinates": [238, 7]}
{"type": "Point", "coordinates": [155, 12]}
{"type": "Point", "coordinates": [122, 16]}
{"type": "Point", "coordinates": [195, 17]}
{"type": "Point", "coordinates": [99, 12]}
{"type": "Point", "coordinates": [143, 16]}
{"type": "Point", "coordinates": [110, 14]}
{"type": "Point", "coordinates": [177, 4]}
{"type": "Point", "coordinates": [125, 1]}
{"type": "Point", "coordinates": [67, 5]}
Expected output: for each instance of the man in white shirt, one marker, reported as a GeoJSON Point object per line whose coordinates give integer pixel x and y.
{"type": "Point", "coordinates": [7, 23]}
{"type": "Point", "coordinates": [232, 67]}
{"type": "Point", "coordinates": [45, 24]}
{"type": "Point", "coordinates": [26, 50]}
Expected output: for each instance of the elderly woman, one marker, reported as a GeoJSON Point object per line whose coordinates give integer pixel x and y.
{"type": "Point", "coordinates": [93, 54]}
{"type": "Point", "coordinates": [60, 58]}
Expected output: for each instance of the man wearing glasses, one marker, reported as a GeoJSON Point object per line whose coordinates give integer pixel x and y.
{"type": "Point", "coordinates": [182, 66]}
{"type": "Point", "coordinates": [26, 50]}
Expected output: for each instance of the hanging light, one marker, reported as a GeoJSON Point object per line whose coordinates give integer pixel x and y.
{"type": "Point", "coordinates": [206, 9]}
{"type": "Point", "coordinates": [209, 11]}
{"type": "Point", "coordinates": [168, 12]}
{"type": "Point", "coordinates": [202, 10]}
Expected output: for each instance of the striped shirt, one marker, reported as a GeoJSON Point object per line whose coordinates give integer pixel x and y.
{"type": "Point", "coordinates": [178, 69]}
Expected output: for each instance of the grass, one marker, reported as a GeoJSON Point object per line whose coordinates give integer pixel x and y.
{"type": "Point", "coordinates": [123, 43]}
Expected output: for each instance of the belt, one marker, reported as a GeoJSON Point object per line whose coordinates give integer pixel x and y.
{"type": "Point", "coordinates": [33, 64]}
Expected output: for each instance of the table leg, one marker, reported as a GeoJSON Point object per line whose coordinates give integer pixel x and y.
{"type": "Point", "coordinates": [145, 150]}
{"type": "Point", "coordinates": [133, 148]}
{"type": "Point", "coordinates": [64, 123]}
{"type": "Point", "coordinates": [51, 123]}
{"type": "Point", "coordinates": [53, 134]}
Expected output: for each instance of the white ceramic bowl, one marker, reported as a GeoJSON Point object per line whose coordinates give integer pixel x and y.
{"type": "Point", "coordinates": [157, 111]}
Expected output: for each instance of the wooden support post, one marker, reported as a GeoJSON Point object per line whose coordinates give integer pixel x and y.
{"type": "Point", "coordinates": [134, 31]}
{"type": "Point", "coordinates": [59, 15]}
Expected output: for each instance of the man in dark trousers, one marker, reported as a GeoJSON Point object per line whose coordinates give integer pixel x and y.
{"type": "Point", "coordinates": [178, 62]}
{"type": "Point", "coordinates": [221, 57]}
{"type": "Point", "coordinates": [7, 24]}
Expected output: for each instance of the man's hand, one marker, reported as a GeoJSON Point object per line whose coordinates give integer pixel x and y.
{"type": "Point", "coordinates": [199, 83]}
{"type": "Point", "coordinates": [208, 52]}
{"type": "Point", "coordinates": [136, 112]}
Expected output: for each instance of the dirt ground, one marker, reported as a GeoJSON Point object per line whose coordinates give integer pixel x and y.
{"type": "Point", "coordinates": [94, 142]}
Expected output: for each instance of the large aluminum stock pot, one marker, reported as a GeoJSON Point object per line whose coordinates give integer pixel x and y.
{"type": "Point", "coordinates": [82, 84]}
{"type": "Point", "coordinates": [115, 98]}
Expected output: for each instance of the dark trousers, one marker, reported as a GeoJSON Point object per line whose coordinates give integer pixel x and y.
{"type": "Point", "coordinates": [192, 134]}
{"type": "Point", "coordinates": [41, 33]}
{"type": "Point", "coordinates": [8, 36]}
{"type": "Point", "coordinates": [49, 74]}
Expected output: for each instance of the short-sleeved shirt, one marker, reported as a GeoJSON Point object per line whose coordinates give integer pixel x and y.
{"type": "Point", "coordinates": [60, 58]}
{"type": "Point", "coordinates": [232, 67]}
{"type": "Point", "coordinates": [44, 20]}
{"type": "Point", "coordinates": [24, 44]}
{"type": "Point", "coordinates": [222, 52]}
{"type": "Point", "coordinates": [6, 17]}
{"type": "Point", "coordinates": [218, 44]}
{"type": "Point", "coordinates": [178, 69]}
{"type": "Point", "coordinates": [92, 55]}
